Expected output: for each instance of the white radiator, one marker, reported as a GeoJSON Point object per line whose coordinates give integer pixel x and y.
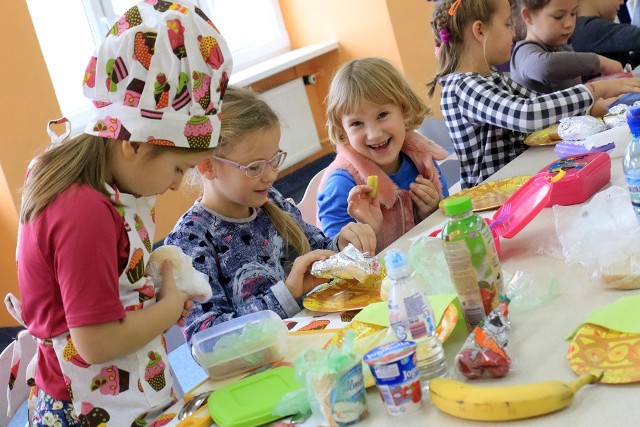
{"type": "Point", "coordinates": [299, 135]}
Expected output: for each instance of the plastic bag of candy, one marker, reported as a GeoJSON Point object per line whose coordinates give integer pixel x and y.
{"type": "Point", "coordinates": [484, 351]}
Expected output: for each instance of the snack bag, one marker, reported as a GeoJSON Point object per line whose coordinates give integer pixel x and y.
{"type": "Point", "coordinates": [484, 351]}
{"type": "Point", "coordinates": [334, 384]}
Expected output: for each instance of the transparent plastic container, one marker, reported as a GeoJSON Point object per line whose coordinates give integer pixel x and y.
{"type": "Point", "coordinates": [240, 345]}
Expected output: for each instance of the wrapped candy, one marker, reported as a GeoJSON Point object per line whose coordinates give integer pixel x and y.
{"type": "Point", "coordinates": [348, 264]}
{"type": "Point", "coordinates": [484, 351]}
{"type": "Point", "coordinates": [579, 127]}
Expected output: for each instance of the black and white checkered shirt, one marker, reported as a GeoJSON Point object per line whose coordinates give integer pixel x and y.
{"type": "Point", "coordinates": [489, 117]}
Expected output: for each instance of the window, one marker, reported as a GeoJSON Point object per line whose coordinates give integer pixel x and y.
{"type": "Point", "coordinates": [68, 36]}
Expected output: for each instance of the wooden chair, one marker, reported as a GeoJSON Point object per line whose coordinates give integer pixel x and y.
{"type": "Point", "coordinates": [14, 373]}
{"type": "Point", "coordinates": [308, 205]}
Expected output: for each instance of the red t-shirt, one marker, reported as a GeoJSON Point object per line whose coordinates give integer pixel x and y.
{"type": "Point", "coordinates": [69, 261]}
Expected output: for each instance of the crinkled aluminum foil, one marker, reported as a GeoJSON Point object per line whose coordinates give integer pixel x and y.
{"type": "Point", "coordinates": [579, 127]}
{"type": "Point", "coordinates": [617, 116]}
{"type": "Point", "coordinates": [348, 264]}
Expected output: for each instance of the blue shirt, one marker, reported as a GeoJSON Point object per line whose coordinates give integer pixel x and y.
{"type": "Point", "coordinates": [332, 200]}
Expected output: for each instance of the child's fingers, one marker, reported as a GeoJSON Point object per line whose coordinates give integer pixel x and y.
{"type": "Point", "coordinates": [359, 192]}
{"type": "Point", "coordinates": [167, 269]}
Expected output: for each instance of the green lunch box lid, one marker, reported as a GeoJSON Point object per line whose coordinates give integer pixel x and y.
{"type": "Point", "coordinates": [249, 401]}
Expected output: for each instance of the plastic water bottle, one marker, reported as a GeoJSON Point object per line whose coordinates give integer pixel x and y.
{"type": "Point", "coordinates": [631, 161]}
{"type": "Point", "coordinates": [411, 317]}
{"type": "Point", "coordinates": [472, 259]}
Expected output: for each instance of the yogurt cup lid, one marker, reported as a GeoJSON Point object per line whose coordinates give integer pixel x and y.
{"type": "Point", "coordinates": [389, 352]}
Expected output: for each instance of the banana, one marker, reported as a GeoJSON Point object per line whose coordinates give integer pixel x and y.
{"type": "Point", "coordinates": [504, 403]}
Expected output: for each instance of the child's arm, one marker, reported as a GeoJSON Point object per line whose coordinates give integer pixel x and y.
{"type": "Point", "coordinates": [535, 63]}
{"type": "Point", "coordinates": [332, 203]}
{"type": "Point", "coordinates": [364, 208]}
{"type": "Point", "coordinates": [613, 87]}
{"type": "Point", "coordinates": [602, 36]}
{"type": "Point", "coordinates": [103, 342]}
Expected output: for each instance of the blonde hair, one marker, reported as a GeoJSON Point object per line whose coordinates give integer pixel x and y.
{"type": "Point", "coordinates": [81, 160]}
{"type": "Point", "coordinates": [374, 80]}
{"type": "Point", "coordinates": [243, 111]}
{"type": "Point", "coordinates": [450, 53]}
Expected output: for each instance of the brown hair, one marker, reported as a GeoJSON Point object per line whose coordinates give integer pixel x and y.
{"type": "Point", "coordinates": [450, 53]}
{"type": "Point", "coordinates": [81, 160]}
{"type": "Point", "coordinates": [516, 8]}
{"type": "Point", "coordinates": [374, 80]}
{"type": "Point", "coordinates": [243, 112]}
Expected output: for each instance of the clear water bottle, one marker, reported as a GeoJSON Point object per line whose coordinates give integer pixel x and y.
{"type": "Point", "coordinates": [472, 259]}
{"type": "Point", "coordinates": [411, 317]}
{"type": "Point", "coordinates": [631, 161]}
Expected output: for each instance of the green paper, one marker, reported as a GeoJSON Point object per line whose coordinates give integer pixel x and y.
{"type": "Point", "coordinates": [378, 313]}
{"type": "Point", "coordinates": [621, 315]}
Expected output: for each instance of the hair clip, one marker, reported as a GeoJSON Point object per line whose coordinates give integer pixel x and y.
{"type": "Point", "coordinates": [445, 35]}
{"type": "Point", "coordinates": [454, 7]}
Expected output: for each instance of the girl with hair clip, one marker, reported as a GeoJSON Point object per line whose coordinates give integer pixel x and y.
{"type": "Point", "coordinates": [488, 114]}
{"type": "Point", "coordinates": [87, 220]}
{"type": "Point", "coordinates": [543, 61]}
{"type": "Point", "coordinates": [242, 233]}
{"type": "Point", "coordinates": [372, 114]}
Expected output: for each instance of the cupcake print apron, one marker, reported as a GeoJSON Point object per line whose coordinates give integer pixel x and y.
{"type": "Point", "coordinates": [135, 389]}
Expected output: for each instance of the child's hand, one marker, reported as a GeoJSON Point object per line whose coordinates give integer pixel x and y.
{"type": "Point", "coordinates": [359, 235]}
{"type": "Point", "coordinates": [364, 208]}
{"type": "Point", "coordinates": [601, 106]}
{"type": "Point", "coordinates": [614, 87]}
{"type": "Point", "coordinates": [170, 292]}
{"type": "Point", "coordinates": [300, 281]}
{"type": "Point", "coordinates": [609, 66]}
{"type": "Point", "coordinates": [425, 197]}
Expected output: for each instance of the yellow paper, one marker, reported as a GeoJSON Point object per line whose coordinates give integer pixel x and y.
{"type": "Point", "coordinates": [378, 313]}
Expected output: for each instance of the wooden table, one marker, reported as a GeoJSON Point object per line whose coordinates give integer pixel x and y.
{"type": "Point", "coordinates": [537, 343]}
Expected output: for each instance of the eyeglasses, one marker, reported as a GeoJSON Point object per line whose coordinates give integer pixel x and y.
{"type": "Point", "coordinates": [257, 168]}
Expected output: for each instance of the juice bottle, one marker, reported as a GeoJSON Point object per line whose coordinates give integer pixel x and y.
{"type": "Point", "coordinates": [472, 259]}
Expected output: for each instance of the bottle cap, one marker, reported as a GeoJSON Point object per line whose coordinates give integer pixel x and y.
{"type": "Point", "coordinates": [458, 205]}
{"type": "Point", "coordinates": [395, 259]}
{"type": "Point", "coordinates": [633, 119]}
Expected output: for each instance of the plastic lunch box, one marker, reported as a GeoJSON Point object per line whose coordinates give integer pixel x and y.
{"type": "Point", "coordinates": [566, 181]}
{"type": "Point", "coordinates": [584, 175]}
{"type": "Point", "coordinates": [240, 345]}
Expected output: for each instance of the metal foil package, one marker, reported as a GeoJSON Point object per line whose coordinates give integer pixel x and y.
{"type": "Point", "coordinates": [617, 116]}
{"type": "Point", "coordinates": [580, 127]}
{"type": "Point", "coordinates": [348, 264]}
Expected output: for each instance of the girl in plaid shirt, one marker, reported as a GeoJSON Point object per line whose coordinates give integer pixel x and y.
{"type": "Point", "coordinates": [488, 114]}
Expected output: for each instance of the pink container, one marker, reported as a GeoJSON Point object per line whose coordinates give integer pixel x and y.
{"type": "Point", "coordinates": [584, 175]}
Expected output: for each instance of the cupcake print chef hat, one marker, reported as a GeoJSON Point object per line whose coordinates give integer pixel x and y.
{"type": "Point", "coordinates": [159, 76]}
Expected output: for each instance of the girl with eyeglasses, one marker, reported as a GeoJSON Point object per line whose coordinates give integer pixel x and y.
{"type": "Point", "coordinates": [242, 233]}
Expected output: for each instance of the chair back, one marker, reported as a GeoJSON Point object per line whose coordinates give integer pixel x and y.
{"type": "Point", "coordinates": [308, 205]}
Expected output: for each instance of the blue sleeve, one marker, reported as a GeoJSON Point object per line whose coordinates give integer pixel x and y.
{"type": "Point", "coordinates": [443, 181]}
{"type": "Point", "coordinates": [332, 202]}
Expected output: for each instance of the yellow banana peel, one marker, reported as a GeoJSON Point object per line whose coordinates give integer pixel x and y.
{"type": "Point", "coordinates": [504, 403]}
